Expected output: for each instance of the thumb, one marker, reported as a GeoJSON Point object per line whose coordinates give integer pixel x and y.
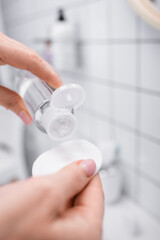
{"type": "Point", "coordinates": [12, 101]}
{"type": "Point", "coordinates": [73, 178]}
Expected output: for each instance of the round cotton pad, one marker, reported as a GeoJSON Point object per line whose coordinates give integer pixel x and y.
{"type": "Point", "coordinates": [65, 153]}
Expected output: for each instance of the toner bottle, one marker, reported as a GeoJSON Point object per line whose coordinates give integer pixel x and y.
{"type": "Point", "coordinates": [51, 109]}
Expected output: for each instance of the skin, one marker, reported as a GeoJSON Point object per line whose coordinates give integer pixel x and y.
{"type": "Point", "coordinates": [19, 56]}
{"type": "Point", "coordinates": [67, 205]}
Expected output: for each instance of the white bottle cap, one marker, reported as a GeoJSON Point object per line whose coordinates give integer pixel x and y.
{"type": "Point", "coordinates": [58, 124]}
{"type": "Point", "coordinates": [68, 96]}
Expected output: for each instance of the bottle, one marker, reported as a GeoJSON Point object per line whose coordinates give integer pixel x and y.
{"type": "Point", "coordinates": [51, 109]}
{"type": "Point", "coordinates": [64, 43]}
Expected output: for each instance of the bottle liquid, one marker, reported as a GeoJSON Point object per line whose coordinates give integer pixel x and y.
{"type": "Point", "coordinates": [51, 109]}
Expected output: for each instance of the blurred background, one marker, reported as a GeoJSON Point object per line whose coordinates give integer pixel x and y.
{"type": "Point", "coordinates": [114, 54]}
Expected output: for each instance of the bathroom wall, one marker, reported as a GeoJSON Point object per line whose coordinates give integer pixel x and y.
{"type": "Point", "coordinates": [120, 57]}
{"type": "Point", "coordinates": [12, 163]}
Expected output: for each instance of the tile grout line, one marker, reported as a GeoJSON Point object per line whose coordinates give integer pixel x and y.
{"type": "Point", "coordinates": [111, 83]}
{"type": "Point", "coordinates": [142, 174]}
{"type": "Point", "coordinates": [137, 181]}
{"type": "Point", "coordinates": [138, 172]}
{"type": "Point", "coordinates": [151, 181]}
{"type": "Point", "coordinates": [108, 41]}
{"type": "Point", "coordinates": [121, 125]}
{"type": "Point", "coordinates": [111, 62]}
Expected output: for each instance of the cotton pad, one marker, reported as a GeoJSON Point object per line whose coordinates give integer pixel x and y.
{"type": "Point", "coordinates": [65, 153]}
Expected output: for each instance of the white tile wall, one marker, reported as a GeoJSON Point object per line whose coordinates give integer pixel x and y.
{"type": "Point", "coordinates": [40, 5]}
{"type": "Point", "coordinates": [103, 99]}
{"type": "Point", "coordinates": [129, 181]}
{"type": "Point", "coordinates": [11, 134]}
{"type": "Point", "coordinates": [5, 4]}
{"type": "Point", "coordinates": [103, 130]}
{"type": "Point", "coordinates": [24, 29]}
{"type": "Point", "coordinates": [149, 158]}
{"type": "Point", "coordinates": [150, 197]}
{"type": "Point", "coordinates": [92, 19]}
{"type": "Point", "coordinates": [124, 57]}
{"type": "Point", "coordinates": [150, 115]}
{"type": "Point", "coordinates": [123, 20]}
{"type": "Point", "coordinates": [98, 17]}
{"type": "Point", "coordinates": [150, 70]}
{"type": "Point", "coordinates": [125, 138]}
{"type": "Point", "coordinates": [125, 107]}
{"type": "Point", "coordinates": [1, 18]}
{"type": "Point", "coordinates": [115, 69]}
{"type": "Point", "coordinates": [95, 60]}
{"type": "Point", "coordinates": [84, 121]}
{"type": "Point", "coordinates": [148, 32]}
{"type": "Point", "coordinates": [90, 89]}
{"type": "Point", "coordinates": [40, 28]}
{"type": "Point", "coordinates": [13, 13]}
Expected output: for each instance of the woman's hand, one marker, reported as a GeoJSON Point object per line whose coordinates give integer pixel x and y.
{"type": "Point", "coordinates": [55, 207]}
{"type": "Point", "coordinates": [17, 55]}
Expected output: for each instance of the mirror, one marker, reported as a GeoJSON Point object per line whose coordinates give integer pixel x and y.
{"type": "Point", "coordinates": [149, 10]}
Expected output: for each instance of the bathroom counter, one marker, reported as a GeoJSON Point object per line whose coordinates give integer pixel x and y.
{"type": "Point", "coordinates": [127, 221]}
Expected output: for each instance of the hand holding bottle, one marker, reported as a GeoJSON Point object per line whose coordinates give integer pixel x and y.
{"type": "Point", "coordinates": [18, 55]}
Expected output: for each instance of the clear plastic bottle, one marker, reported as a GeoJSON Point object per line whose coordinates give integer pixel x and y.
{"type": "Point", "coordinates": [51, 109]}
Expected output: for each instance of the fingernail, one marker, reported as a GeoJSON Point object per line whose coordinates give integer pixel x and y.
{"type": "Point", "coordinates": [89, 166]}
{"type": "Point", "coordinates": [25, 117]}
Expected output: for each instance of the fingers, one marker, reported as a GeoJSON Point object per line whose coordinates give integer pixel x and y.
{"type": "Point", "coordinates": [72, 179]}
{"type": "Point", "coordinates": [84, 220]}
{"type": "Point", "coordinates": [92, 198]}
{"type": "Point", "coordinates": [19, 56]}
{"type": "Point", "coordinates": [12, 101]}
